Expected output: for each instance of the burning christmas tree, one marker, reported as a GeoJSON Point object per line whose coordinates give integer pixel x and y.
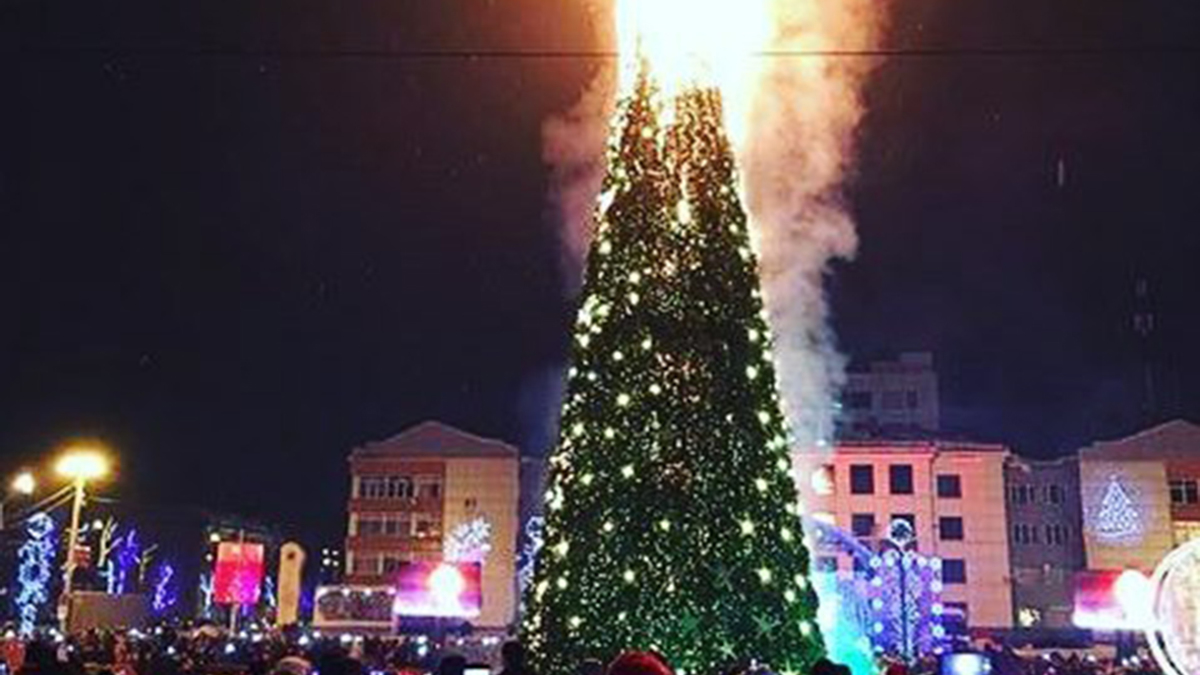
{"type": "Point", "coordinates": [671, 514]}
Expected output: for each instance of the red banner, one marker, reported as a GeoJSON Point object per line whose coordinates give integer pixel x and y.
{"type": "Point", "coordinates": [237, 579]}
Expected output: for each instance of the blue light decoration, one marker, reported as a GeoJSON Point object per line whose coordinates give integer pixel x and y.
{"type": "Point", "coordinates": [269, 592]}
{"type": "Point", "coordinates": [534, 540]}
{"type": "Point", "coordinates": [36, 568]}
{"type": "Point", "coordinates": [128, 554]}
{"type": "Point", "coordinates": [206, 594]}
{"type": "Point", "coordinates": [843, 615]}
{"type": "Point", "coordinates": [904, 593]}
{"type": "Point", "coordinates": [166, 593]}
{"type": "Point", "coordinates": [1118, 518]}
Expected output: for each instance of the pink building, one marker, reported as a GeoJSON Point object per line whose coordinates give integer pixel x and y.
{"type": "Point", "coordinates": [952, 494]}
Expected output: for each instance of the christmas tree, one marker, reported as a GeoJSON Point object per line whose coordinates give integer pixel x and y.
{"type": "Point", "coordinates": [1117, 518]}
{"type": "Point", "coordinates": [671, 514]}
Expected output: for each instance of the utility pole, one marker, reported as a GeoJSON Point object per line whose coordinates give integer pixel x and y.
{"type": "Point", "coordinates": [64, 608]}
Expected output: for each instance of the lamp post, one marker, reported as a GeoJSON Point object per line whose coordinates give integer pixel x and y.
{"type": "Point", "coordinates": [80, 465]}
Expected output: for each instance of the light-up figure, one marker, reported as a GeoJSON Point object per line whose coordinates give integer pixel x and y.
{"type": "Point", "coordinates": [1174, 633]}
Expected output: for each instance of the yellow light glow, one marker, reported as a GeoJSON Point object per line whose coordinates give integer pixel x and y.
{"type": "Point", "coordinates": [692, 42]}
{"type": "Point", "coordinates": [24, 483]}
{"type": "Point", "coordinates": [82, 464]}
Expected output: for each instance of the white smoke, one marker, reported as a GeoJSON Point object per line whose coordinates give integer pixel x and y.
{"type": "Point", "coordinates": [796, 151]}
{"type": "Point", "coordinates": [795, 159]}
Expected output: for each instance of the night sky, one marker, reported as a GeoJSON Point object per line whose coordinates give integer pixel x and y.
{"type": "Point", "coordinates": [238, 239]}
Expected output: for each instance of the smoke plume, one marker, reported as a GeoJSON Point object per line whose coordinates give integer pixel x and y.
{"type": "Point", "coordinates": [795, 158]}
{"type": "Point", "coordinates": [794, 130]}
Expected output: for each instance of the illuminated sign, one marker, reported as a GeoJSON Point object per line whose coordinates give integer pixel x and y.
{"type": "Point", "coordinates": [238, 574]}
{"type": "Point", "coordinates": [439, 589]}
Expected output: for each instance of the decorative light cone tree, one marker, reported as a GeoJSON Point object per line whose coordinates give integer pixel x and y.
{"type": "Point", "coordinates": [671, 514]}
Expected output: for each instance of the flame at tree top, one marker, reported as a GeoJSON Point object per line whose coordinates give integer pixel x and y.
{"type": "Point", "coordinates": [687, 44]}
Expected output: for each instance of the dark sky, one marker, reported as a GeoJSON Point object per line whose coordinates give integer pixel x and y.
{"type": "Point", "coordinates": [234, 258]}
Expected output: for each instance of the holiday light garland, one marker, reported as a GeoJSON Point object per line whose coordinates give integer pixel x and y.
{"type": "Point", "coordinates": [35, 570]}
{"type": "Point", "coordinates": [166, 594]}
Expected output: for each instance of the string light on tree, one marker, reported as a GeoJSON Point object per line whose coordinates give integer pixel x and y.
{"type": "Point", "coordinates": [678, 491]}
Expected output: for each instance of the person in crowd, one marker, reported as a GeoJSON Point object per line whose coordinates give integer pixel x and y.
{"type": "Point", "coordinates": [451, 664]}
{"type": "Point", "coordinates": [512, 654]}
{"type": "Point", "coordinates": [591, 667]}
{"type": "Point", "coordinates": [639, 663]}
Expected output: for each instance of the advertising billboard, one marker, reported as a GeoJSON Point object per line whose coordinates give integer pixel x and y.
{"type": "Point", "coordinates": [237, 578]}
{"type": "Point", "coordinates": [439, 589]}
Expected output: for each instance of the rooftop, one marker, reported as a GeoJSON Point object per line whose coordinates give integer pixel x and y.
{"type": "Point", "coordinates": [435, 439]}
{"type": "Point", "coordinates": [1177, 439]}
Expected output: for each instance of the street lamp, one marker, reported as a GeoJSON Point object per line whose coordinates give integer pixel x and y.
{"type": "Point", "coordinates": [80, 464]}
{"type": "Point", "coordinates": [22, 484]}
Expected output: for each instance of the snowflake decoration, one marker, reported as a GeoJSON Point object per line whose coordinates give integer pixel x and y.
{"type": "Point", "coordinates": [469, 542]}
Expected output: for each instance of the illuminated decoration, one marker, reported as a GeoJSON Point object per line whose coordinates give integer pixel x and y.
{"type": "Point", "coordinates": [166, 593]}
{"type": "Point", "coordinates": [966, 664]}
{"type": "Point", "coordinates": [237, 579]}
{"type": "Point", "coordinates": [670, 517]}
{"type": "Point", "coordinates": [1118, 519]}
{"type": "Point", "coordinates": [206, 594]}
{"type": "Point", "coordinates": [126, 557]}
{"type": "Point", "coordinates": [904, 592]}
{"type": "Point", "coordinates": [1174, 632]}
{"type": "Point", "coordinates": [1112, 600]}
{"type": "Point", "coordinates": [268, 592]}
{"type": "Point", "coordinates": [529, 553]}
{"type": "Point", "coordinates": [468, 542]}
{"type": "Point", "coordinates": [35, 569]}
{"type": "Point", "coordinates": [338, 607]}
{"type": "Point", "coordinates": [430, 589]}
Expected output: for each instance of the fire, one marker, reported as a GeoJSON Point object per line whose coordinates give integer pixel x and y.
{"type": "Point", "coordinates": [692, 43]}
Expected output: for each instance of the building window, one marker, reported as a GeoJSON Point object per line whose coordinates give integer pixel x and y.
{"type": "Point", "coordinates": [1054, 494]}
{"type": "Point", "coordinates": [398, 525]}
{"type": "Point", "coordinates": [429, 487]}
{"type": "Point", "coordinates": [827, 563]}
{"type": "Point", "coordinates": [371, 487]}
{"type": "Point", "coordinates": [1022, 494]}
{"type": "Point", "coordinates": [912, 400]}
{"type": "Point", "coordinates": [862, 524]}
{"type": "Point", "coordinates": [949, 486]}
{"type": "Point", "coordinates": [893, 400]}
{"type": "Point", "coordinates": [954, 571]}
{"type": "Point", "coordinates": [858, 400]}
{"type": "Point", "coordinates": [370, 526]}
{"type": "Point", "coordinates": [900, 479]}
{"type": "Point", "coordinates": [392, 563]}
{"type": "Point", "coordinates": [428, 526]}
{"type": "Point", "coordinates": [862, 479]}
{"type": "Point", "coordinates": [950, 528]}
{"type": "Point", "coordinates": [822, 480]}
{"type": "Point", "coordinates": [1185, 531]}
{"type": "Point", "coordinates": [366, 564]}
{"type": "Point", "coordinates": [1184, 491]}
{"type": "Point", "coordinates": [955, 617]}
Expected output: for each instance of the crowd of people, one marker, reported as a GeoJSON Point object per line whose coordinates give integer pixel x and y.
{"type": "Point", "coordinates": [210, 651]}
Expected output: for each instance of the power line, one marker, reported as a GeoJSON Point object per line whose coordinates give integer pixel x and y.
{"type": "Point", "coordinates": [320, 53]}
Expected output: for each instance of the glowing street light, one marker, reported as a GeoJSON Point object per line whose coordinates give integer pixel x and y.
{"type": "Point", "coordinates": [24, 483]}
{"type": "Point", "coordinates": [81, 464]}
